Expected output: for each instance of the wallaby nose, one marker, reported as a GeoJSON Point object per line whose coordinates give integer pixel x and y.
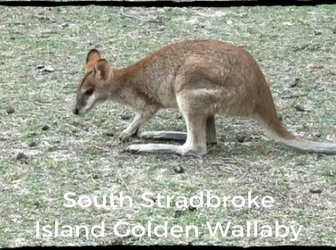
{"type": "Point", "coordinates": [76, 111]}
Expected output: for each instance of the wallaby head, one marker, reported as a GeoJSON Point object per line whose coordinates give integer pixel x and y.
{"type": "Point", "coordinates": [95, 86]}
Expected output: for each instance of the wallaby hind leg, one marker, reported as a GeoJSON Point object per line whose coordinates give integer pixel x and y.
{"type": "Point", "coordinates": [182, 136]}
{"type": "Point", "coordinates": [211, 130]}
{"type": "Point", "coordinates": [196, 138]}
{"type": "Point", "coordinates": [194, 145]}
{"type": "Point", "coordinates": [164, 135]}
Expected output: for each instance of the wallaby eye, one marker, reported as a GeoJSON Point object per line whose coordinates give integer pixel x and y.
{"type": "Point", "coordinates": [88, 92]}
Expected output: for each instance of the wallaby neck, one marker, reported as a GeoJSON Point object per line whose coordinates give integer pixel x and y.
{"type": "Point", "coordinates": [126, 87]}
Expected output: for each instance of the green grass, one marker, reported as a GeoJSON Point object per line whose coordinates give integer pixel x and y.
{"type": "Point", "coordinates": [76, 155]}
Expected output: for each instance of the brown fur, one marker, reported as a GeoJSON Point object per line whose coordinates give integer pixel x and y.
{"type": "Point", "coordinates": [200, 77]}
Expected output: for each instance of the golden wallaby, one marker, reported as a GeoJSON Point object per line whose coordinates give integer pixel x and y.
{"type": "Point", "coordinates": [200, 77]}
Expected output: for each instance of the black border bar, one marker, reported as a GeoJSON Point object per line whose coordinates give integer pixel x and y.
{"type": "Point", "coordinates": [182, 3]}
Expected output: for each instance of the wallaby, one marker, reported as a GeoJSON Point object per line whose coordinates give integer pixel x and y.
{"type": "Point", "coordinates": [202, 78]}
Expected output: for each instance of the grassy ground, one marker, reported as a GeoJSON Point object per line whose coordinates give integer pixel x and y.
{"type": "Point", "coordinates": [42, 53]}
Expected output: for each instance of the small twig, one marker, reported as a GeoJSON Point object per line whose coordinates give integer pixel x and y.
{"type": "Point", "coordinates": [293, 96]}
{"type": "Point", "coordinates": [104, 149]}
{"type": "Point", "coordinates": [126, 15]}
{"type": "Point", "coordinates": [72, 126]}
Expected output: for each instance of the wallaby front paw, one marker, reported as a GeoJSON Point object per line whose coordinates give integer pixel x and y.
{"type": "Point", "coordinates": [126, 135]}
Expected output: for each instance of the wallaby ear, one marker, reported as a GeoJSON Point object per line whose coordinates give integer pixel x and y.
{"type": "Point", "coordinates": [102, 70]}
{"type": "Point", "coordinates": [92, 57]}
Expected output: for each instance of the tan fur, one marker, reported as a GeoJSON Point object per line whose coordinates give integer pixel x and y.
{"type": "Point", "coordinates": [202, 78]}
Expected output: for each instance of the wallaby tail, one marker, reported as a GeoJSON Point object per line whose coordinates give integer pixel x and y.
{"type": "Point", "coordinates": [280, 134]}
{"type": "Point", "coordinates": [267, 114]}
{"type": "Point", "coordinates": [310, 146]}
